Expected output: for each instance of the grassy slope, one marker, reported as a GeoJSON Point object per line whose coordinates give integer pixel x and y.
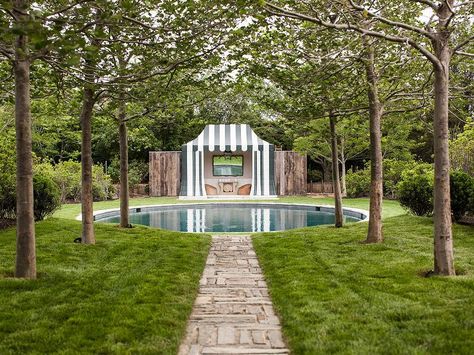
{"type": "Point", "coordinates": [132, 292]}
{"type": "Point", "coordinates": [335, 294]}
{"type": "Point", "coordinates": [70, 211]}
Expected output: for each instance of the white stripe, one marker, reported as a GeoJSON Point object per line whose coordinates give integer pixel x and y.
{"type": "Point", "coordinates": [197, 178]}
{"type": "Point", "coordinates": [203, 184]}
{"type": "Point", "coordinates": [252, 188]}
{"type": "Point", "coordinates": [197, 221]}
{"type": "Point", "coordinates": [211, 137]}
{"type": "Point", "coordinates": [190, 220]}
{"type": "Point", "coordinates": [189, 170]}
{"type": "Point", "coordinates": [243, 136]}
{"type": "Point", "coordinates": [259, 174]}
{"type": "Point", "coordinates": [253, 219]}
{"type": "Point", "coordinates": [233, 138]}
{"type": "Point", "coordinates": [266, 169]}
{"type": "Point", "coordinates": [259, 219]}
{"type": "Point", "coordinates": [266, 220]}
{"type": "Point", "coordinates": [254, 141]}
{"type": "Point", "coordinates": [203, 221]}
{"type": "Point", "coordinates": [201, 141]}
{"type": "Point", "coordinates": [222, 137]}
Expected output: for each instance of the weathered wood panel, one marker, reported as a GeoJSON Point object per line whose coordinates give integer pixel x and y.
{"type": "Point", "coordinates": [165, 173]}
{"type": "Point", "coordinates": [290, 173]}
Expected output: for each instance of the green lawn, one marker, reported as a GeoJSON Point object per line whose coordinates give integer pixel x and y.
{"type": "Point", "coordinates": [337, 295]}
{"type": "Point", "coordinates": [133, 291]}
{"type": "Point", "coordinates": [130, 293]}
{"type": "Point", "coordinates": [70, 211]}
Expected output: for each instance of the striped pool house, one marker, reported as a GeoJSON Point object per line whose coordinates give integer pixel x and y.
{"type": "Point", "coordinates": [227, 139]}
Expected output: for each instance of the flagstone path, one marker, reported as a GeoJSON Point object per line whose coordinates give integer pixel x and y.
{"type": "Point", "coordinates": [233, 313]}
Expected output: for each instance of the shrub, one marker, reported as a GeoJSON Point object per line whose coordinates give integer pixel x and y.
{"type": "Point", "coordinates": [358, 183]}
{"type": "Point", "coordinates": [415, 190]}
{"type": "Point", "coordinates": [137, 172]}
{"type": "Point", "coordinates": [47, 196]}
{"type": "Point", "coordinates": [7, 176]}
{"type": "Point", "coordinates": [67, 175]}
{"type": "Point", "coordinates": [462, 193]}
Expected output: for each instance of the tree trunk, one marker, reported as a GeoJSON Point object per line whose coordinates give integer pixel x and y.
{"type": "Point", "coordinates": [335, 174]}
{"type": "Point", "coordinates": [124, 192]}
{"type": "Point", "coordinates": [25, 223]}
{"type": "Point", "coordinates": [374, 234]}
{"type": "Point", "coordinates": [443, 239]}
{"type": "Point", "coordinates": [343, 170]}
{"type": "Point", "coordinates": [88, 235]}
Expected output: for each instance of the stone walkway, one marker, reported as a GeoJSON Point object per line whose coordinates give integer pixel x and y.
{"type": "Point", "coordinates": [233, 313]}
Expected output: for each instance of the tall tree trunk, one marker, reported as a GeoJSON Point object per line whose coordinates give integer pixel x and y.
{"type": "Point", "coordinates": [124, 192]}
{"type": "Point", "coordinates": [374, 234]}
{"type": "Point", "coordinates": [443, 239]}
{"type": "Point", "coordinates": [343, 169]}
{"type": "Point", "coordinates": [335, 174]}
{"type": "Point", "coordinates": [88, 235]}
{"type": "Point", "coordinates": [25, 223]}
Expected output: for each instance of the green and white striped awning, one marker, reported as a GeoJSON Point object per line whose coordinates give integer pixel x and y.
{"type": "Point", "coordinates": [227, 138]}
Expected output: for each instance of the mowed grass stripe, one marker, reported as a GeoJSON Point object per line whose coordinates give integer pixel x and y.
{"type": "Point", "coordinates": [130, 293]}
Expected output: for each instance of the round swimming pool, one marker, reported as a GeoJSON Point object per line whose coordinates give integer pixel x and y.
{"type": "Point", "coordinates": [231, 217]}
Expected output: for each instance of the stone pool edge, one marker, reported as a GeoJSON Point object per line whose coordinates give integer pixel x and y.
{"type": "Point", "coordinates": [329, 207]}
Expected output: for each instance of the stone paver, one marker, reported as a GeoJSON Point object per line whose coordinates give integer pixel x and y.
{"type": "Point", "coordinates": [233, 313]}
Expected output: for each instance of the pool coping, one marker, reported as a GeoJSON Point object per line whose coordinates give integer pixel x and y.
{"type": "Point", "coordinates": [328, 207]}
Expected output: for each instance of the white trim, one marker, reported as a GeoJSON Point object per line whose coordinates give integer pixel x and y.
{"type": "Point", "coordinates": [222, 138]}
{"type": "Point", "coordinates": [233, 138]}
{"type": "Point", "coordinates": [190, 169]}
{"type": "Point", "coordinates": [212, 136]}
{"type": "Point", "coordinates": [243, 137]}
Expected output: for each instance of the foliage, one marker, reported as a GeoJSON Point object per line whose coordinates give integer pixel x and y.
{"type": "Point", "coordinates": [47, 196]}
{"type": "Point", "coordinates": [462, 194]}
{"type": "Point", "coordinates": [358, 183]}
{"type": "Point", "coordinates": [132, 293]}
{"type": "Point", "coordinates": [462, 149]}
{"type": "Point", "coordinates": [339, 296]}
{"type": "Point", "coordinates": [7, 173]}
{"type": "Point", "coordinates": [67, 175]}
{"type": "Point", "coordinates": [137, 172]}
{"type": "Point", "coordinates": [415, 190]}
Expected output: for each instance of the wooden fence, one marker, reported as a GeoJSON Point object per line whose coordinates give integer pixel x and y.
{"type": "Point", "coordinates": [320, 188]}
{"type": "Point", "coordinates": [165, 173]}
{"type": "Point", "coordinates": [290, 173]}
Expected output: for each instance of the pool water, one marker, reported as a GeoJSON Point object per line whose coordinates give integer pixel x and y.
{"type": "Point", "coordinates": [231, 217]}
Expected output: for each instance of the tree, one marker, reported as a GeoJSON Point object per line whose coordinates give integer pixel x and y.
{"type": "Point", "coordinates": [391, 27]}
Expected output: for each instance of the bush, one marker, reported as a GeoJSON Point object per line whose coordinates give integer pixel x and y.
{"type": "Point", "coordinates": [358, 183]}
{"type": "Point", "coordinates": [137, 172]}
{"type": "Point", "coordinates": [67, 175]}
{"type": "Point", "coordinates": [462, 194]}
{"type": "Point", "coordinates": [415, 190]}
{"type": "Point", "coordinates": [47, 196]}
{"type": "Point", "coordinates": [7, 176]}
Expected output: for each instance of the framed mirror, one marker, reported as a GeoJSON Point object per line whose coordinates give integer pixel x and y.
{"type": "Point", "coordinates": [228, 165]}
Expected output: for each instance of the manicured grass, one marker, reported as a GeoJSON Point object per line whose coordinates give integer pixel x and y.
{"type": "Point", "coordinates": [130, 293]}
{"type": "Point", "coordinates": [391, 208]}
{"type": "Point", "coordinates": [337, 295]}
